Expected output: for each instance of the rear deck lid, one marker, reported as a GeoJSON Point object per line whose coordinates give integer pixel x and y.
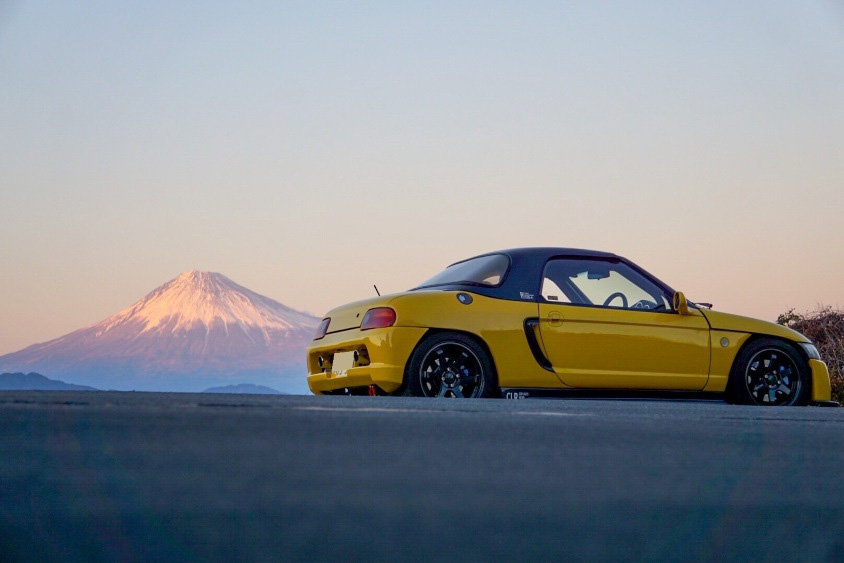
{"type": "Point", "coordinates": [350, 316]}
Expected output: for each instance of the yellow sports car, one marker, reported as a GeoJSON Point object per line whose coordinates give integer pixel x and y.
{"type": "Point", "coordinates": [535, 322]}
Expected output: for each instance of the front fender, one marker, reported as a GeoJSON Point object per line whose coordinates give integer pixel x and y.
{"type": "Point", "coordinates": [736, 323]}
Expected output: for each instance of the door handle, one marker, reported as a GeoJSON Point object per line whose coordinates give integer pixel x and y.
{"type": "Point", "coordinates": [555, 318]}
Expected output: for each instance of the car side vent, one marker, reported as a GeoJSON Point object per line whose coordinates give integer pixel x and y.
{"type": "Point", "coordinates": [531, 325]}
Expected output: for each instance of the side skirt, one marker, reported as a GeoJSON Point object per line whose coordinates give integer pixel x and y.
{"type": "Point", "coordinates": [521, 393]}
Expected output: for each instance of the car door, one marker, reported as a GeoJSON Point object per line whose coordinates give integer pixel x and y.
{"type": "Point", "coordinates": [605, 324]}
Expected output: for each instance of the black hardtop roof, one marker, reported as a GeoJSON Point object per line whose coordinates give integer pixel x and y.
{"type": "Point", "coordinates": [523, 279]}
{"type": "Point", "coordinates": [545, 252]}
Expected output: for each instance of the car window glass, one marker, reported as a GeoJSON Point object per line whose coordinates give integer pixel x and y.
{"type": "Point", "coordinates": [601, 291]}
{"type": "Point", "coordinates": [552, 292]}
{"type": "Point", "coordinates": [601, 283]}
{"type": "Point", "coordinates": [484, 270]}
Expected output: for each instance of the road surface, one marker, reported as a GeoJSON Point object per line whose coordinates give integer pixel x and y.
{"type": "Point", "coordinates": [102, 476]}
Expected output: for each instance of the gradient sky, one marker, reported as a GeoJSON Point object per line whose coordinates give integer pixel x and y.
{"type": "Point", "coordinates": [308, 150]}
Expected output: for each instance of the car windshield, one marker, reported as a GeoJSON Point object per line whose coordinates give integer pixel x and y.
{"type": "Point", "coordinates": [484, 270]}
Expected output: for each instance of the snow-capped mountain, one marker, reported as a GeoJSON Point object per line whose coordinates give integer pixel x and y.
{"type": "Point", "coordinates": [196, 331]}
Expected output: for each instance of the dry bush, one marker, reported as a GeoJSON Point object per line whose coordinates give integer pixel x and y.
{"type": "Point", "coordinates": [824, 327]}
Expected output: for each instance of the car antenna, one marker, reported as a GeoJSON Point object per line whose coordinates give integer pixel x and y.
{"type": "Point", "coordinates": [376, 290]}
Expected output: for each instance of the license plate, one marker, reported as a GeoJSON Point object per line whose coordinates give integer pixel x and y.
{"type": "Point", "coordinates": [343, 361]}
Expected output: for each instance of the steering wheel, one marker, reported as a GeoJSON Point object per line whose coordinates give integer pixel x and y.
{"type": "Point", "coordinates": [609, 299]}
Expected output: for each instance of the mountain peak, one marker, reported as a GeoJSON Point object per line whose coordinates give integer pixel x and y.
{"type": "Point", "coordinates": [198, 276]}
{"type": "Point", "coordinates": [200, 328]}
{"type": "Point", "coordinates": [194, 274]}
{"type": "Point", "coordinates": [206, 298]}
{"type": "Point", "coordinates": [197, 280]}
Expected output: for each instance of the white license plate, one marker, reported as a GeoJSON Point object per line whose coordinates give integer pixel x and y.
{"type": "Point", "coordinates": [343, 361]}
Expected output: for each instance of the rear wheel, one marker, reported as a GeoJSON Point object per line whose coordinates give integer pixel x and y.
{"type": "Point", "coordinates": [449, 365]}
{"type": "Point", "coordinates": [771, 373]}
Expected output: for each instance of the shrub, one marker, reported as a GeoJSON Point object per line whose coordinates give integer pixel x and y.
{"type": "Point", "coordinates": [824, 327]}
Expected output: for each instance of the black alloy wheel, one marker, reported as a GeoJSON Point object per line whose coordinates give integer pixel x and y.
{"type": "Point", "coordinates": [449, 365]}
{"type": "Point", "coordinates": [771, 373]}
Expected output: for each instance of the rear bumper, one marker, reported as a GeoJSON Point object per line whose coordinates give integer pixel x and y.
{"type": "Point", "coordinates": [383, 355]}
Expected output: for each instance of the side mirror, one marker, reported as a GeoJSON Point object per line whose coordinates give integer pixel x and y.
{"type": "Point", "coordinates": [680, 303]}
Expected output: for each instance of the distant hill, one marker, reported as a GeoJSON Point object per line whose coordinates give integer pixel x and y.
{"type": "Point", "coordinates": [244, 389]}
{"type": "Point", "coordinates": [36, 382]}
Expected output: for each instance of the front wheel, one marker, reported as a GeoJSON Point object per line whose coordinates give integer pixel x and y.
{"type": "Point", "coordinates": [771, 373]}
{"type": "Point", "coordinates": [449, 365]}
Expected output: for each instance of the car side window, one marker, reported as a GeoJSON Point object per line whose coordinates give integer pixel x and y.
{"type": "Point", "coordinates": [552, 292]}
{"type": "Point", "coordinates": [601, 283]}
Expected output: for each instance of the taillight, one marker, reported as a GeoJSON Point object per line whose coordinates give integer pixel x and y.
{"type": "Point", "coordinates": [380, 317]}
{"type": "Point", "coordinates": [322, 328]}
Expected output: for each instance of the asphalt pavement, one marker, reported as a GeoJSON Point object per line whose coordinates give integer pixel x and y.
{"type": "Point", "coordinates": [106, 476]}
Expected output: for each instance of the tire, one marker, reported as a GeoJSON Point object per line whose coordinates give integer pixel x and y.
{"type": "Point", "coordinates": [770, 372]}
{"type": "Point", "coordinates": [449, 365]}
